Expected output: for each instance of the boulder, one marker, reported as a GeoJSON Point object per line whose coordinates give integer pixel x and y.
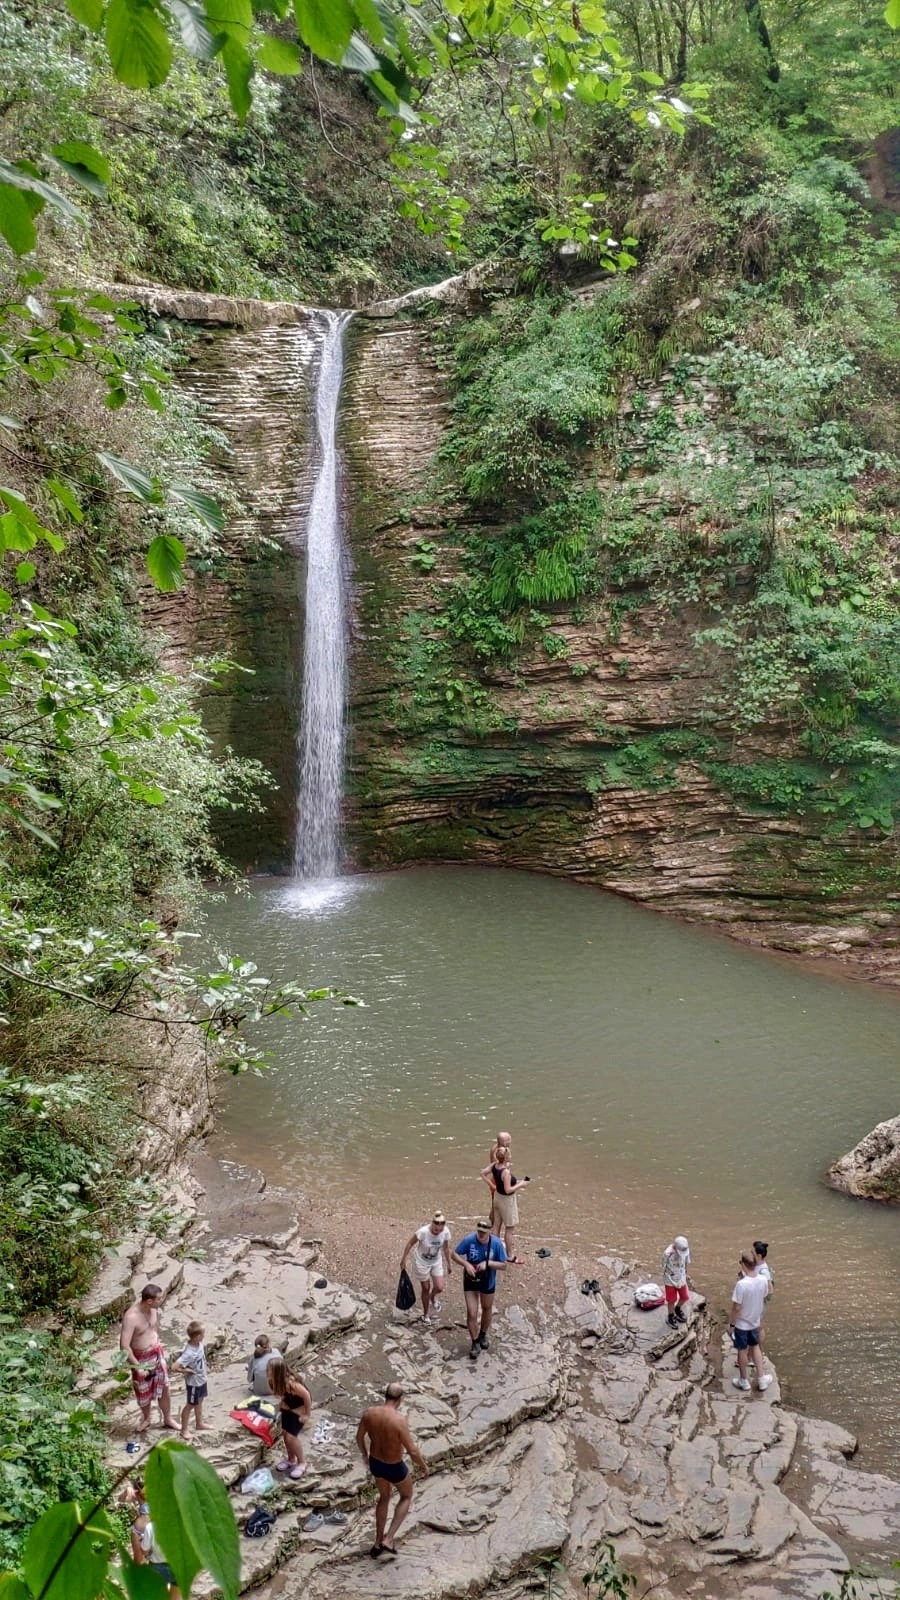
{"type": "Point", "coordinates": [871, 1170]}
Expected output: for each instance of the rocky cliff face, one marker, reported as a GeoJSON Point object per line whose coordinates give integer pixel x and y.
{"type": "Point", "coordinates": [579, 759]}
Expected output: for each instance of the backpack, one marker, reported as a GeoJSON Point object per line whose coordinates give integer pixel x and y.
{"type": "Point", "coordinates": [260, 1522]}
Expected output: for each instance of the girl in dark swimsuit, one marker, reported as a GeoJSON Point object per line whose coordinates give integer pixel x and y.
{"type": "Point", "coordinates": [296, 1405]}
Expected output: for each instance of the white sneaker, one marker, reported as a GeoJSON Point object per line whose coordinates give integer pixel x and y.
{"type": "Point", "coordinates": [437, 1305]}
{"type": "Point", "coordinates": [764, 1381]}
{"type": "Point", "coordinates": [428, 1322]}
{"type": "Point", "coordinates": [741, 1383]}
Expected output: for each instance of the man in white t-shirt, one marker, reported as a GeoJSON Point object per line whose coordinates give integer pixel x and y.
{"type": "Point", "coordinates": [748, 1304]}
{"type": "Point", "coordinates": [431, 1261]}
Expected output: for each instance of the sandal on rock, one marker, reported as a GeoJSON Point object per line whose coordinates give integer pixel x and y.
{"type": "Point", "coordinates": [313, 1522]}
{"type": "Point", "coordinates": [543, 1253]}
{"type": "Point", "coordinates": [375, 1551]}
{"type": "Point", "coordinates": [298, 1471]}
{"type": "Point", "coordinates": [336, 1516]}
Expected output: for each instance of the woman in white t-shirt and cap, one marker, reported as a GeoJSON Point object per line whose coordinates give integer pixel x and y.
{"type": "Point", "coordinates": [674, 1275]}
{"type": "Point", "coordinates": [430, 1245]}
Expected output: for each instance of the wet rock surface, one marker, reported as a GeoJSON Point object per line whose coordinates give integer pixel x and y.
{"type": "Point", "coordinates": [550, 1444]}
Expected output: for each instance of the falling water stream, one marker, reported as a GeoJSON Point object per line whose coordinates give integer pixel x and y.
{"type": "Point", "coordinates": [317, 837]}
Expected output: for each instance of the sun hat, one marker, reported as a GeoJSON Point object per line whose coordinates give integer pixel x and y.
{"type": "Point", "coordinates": [680, 1243]}
{"type": "Point", "coordinates": [482, 1227]}
{"type": "Point", "coordinates": [439, 1217]}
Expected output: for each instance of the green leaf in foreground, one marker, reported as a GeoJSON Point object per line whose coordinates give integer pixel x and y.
{"type": "Point", "coordinates": [192, 1517]}
{"type": "Point", "coordinates": [325, 26]}
{"type": "Point", "coordinates": [65, 1557]}
{"type": "Point", "coordinates": [278, 55]}
{"type": "Point", "coordinates": [138, 44]}
{"type": "Point", "coordinates": [141, 1583]}
{"type": "Point", "coordinates": [90, 12]}
{"type": "Point", "coordinates": [17, 211]}
{"type": "Point", "coordinates": [203, 505]}
{"type": "Point", "coordinates": [132, 478]}
{"type": "Point", "coordinates": [196, 36]}
{"type": "Point", "coordinates": [84, 164]}
{"type": "Point", "coordinates": [12, 1588]}
{"type": "Point", "coordinates": [165, 562]}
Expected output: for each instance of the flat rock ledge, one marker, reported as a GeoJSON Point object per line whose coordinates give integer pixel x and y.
{"type": "Point", "coordinates": [586, 1422]}
{"type": "Point", "coordinates": [871, 1170]}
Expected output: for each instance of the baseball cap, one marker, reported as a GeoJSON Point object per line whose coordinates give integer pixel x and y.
{"type": "Point", "coordinates": [439, 1217]}
{"type": "Point", "coordinates": [482, 1227]}
{"type": "Point", "coordinates": [680, 1242]}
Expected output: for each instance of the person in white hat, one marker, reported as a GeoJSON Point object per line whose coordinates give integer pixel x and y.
{"type": "Point", "coordinates": [674, 1275]}
{"type": "Point", "coordinates": [430, 1245]}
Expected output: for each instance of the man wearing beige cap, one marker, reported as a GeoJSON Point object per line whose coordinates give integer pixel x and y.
{"type": "Point", "coordinates": [431, 1258]}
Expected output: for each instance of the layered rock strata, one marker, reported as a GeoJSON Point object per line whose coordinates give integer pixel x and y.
{"type": "Point", "coordinates": [585, 1423]}
{"type": "Point", "coordinates": [515, 766]}
{"type": "Point", "coordinates": [871, 1170]}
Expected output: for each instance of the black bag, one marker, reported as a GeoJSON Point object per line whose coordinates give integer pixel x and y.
{"type": "Point", "coordinates": [260, 1522]}
{"type": "Point", "coordinates": [406, 1294]}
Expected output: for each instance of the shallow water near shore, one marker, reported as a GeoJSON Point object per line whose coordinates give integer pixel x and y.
{"type": "Point", "coordinates": [656, 1078]}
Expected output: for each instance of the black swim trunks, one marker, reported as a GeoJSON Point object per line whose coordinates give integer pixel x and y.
{"type": "Point", "coordinates": [393, 1471]}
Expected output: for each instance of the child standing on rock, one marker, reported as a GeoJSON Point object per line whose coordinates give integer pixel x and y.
{"type": "Point", "coordinates": [192, 1362]}
{"type": "Point", "coordinates": [296, 1405]}
{"type": "Point", "coordinates": [674, 1275]}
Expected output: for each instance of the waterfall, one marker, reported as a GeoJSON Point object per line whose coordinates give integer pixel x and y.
{"type": "Point", "coordinates": [320, 743]}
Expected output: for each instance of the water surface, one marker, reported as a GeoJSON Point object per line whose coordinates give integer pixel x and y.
{"type": "Point", "coordinates": [657, 1079]}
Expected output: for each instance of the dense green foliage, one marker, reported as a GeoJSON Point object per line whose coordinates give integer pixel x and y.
{"type": "Point", "coordinates": [713, 434]}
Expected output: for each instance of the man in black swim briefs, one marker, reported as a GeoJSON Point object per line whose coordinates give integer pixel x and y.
{"type": "Point", "coordinates": [384, 1438]}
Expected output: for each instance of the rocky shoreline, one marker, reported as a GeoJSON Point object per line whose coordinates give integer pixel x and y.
{"type": "Point", "coordinates": [588, 1421]}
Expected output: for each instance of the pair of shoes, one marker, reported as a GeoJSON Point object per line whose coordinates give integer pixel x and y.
{"type": "Point", "coordinates": [428, 1322]}
{"type": "Point", "coordinates": [313, 1522]}
{"type": "Point", "coordinates": [298, 1471]}
{"type": "Point", "coordinates": [764, 1381]}
{"type": "Point", "coordinates": [437, 1305]}
{"type": "Point", "coordinates": [475, 1350]}
{"type": "Point", "coordinates": [741, 1383]}
{"type": "Point", "coordinates": [590, 1286]}
{"type": "Point", "coordinates": [484, 1341]}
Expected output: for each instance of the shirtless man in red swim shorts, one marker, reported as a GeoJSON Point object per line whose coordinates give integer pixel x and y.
{"type": "Point", "coordinates": [384, 1438]}
{"type": "Point", "coordinates": [139, 1339]}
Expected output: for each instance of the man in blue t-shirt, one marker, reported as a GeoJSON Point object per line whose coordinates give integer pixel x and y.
{"type": "Point", "coordinates": [481, 1255]}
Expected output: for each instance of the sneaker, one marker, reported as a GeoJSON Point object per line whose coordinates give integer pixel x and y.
{"type": "Point", "coordinates": [475, 1350]}
{"type": "Point", "coordinates": [679, 1315]}
{"type": "Point", "coordinates": [427, 1322]}
{"type": "Point", "coordinates": [437, 1305]}
{"type": "Point", "coordinates": [672, 1320]}
{"type": "Point", "coordinates": [741, 1383]}
{"type": "Point", "coordinates": [764, 1381]}
{"type": "Point", "coordinates": [484, 1341]}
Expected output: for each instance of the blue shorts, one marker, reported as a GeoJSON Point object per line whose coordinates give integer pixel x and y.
{"type": "Point", "coordinates": [196, 1393]}
{"type": "Point", "coordinates": [393, 1471]}
{"type": "Point", "coordinates": [745, 1337]}
{"type": "Point", "coordinates": [165, 1572]}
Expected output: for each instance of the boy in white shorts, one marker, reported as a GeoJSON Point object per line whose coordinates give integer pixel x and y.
{"type": "Point", "coordinates": [431, 1262]}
